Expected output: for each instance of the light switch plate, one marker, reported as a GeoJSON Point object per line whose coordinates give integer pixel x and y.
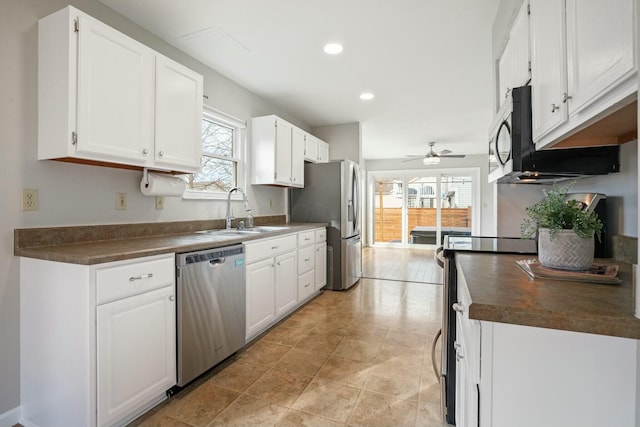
{"type": "Point", "coordinates": [121, 201]}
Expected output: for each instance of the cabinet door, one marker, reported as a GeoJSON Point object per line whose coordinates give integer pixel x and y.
{"type": "Point", "coordinates": [286, 283]}
{"type": "Point", "coordinates": [519, 41]}
{"type": "Point", "coordinates": [136, 352]}
{"type": "Point", "coordinates": [305, 285]}
{"type": "Point", "coordinates": [505, 65]}
{"type": "Point", "coordinates": [178, 119]}
{"type": "Point", "coordinates": [297, 157]}
{"type": "Point", "coordinates": [283, 153]}
{"type": "Point", "coordinates": [321, 265]}
{"type": "Point", "coordinates": [115, 95]}
{"type": "Point", "coordinates": [260, 296]}
{"type": "Point", "coordinates": [548, 63]}
{"type": "Point", "coordinates": [310, 148]}
{"type": "Point", "coordinates": [600, 48]}
{"type": "Point", "coordinates": [323, 152]}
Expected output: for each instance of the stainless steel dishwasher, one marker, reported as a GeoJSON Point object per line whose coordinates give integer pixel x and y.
{"type": "Point", "coordinates": [211, 308]}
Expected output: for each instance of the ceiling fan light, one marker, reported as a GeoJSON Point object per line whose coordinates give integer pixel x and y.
{"type": "Point", "coordinates": [431, 161]}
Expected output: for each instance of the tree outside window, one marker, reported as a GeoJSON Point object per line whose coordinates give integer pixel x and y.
{"type": "Point", "coordinates": [221, 137]}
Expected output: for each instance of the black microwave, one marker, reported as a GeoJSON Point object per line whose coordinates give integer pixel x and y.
{"type": "Point", "coordinates": [513, 158]}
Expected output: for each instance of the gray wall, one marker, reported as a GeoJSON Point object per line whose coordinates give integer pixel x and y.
{"type": "Point", "coordinates": [78, 194]}
{"type": "Point", "coordinates": [621, 190]}
{"type": "Point", "coordinates": [344, 141]}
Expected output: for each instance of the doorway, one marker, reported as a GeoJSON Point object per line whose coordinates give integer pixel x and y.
{"type": "Point", "coordinates": [419, 208]}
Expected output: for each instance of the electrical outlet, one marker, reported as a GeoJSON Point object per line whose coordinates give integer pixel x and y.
{"type": "Point", "coordinates": [121, 201]}
{"type": "Point", "coordinates": [30, 199]}
{"type": "Point", "coordinates": [159, 203]}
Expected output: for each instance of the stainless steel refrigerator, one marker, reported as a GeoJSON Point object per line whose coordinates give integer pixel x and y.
{"type": "Point", "coordinates": [331, 194]}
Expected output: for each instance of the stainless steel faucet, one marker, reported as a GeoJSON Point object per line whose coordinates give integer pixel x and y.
{"type": "Point", "coordinates": [247, 208]}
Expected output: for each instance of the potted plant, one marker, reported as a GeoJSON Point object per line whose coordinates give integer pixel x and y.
{"type": "Point", "coordinates": [565, 231]}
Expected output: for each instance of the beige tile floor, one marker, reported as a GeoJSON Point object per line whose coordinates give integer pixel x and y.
{"type": "Point", "coordinates": [361, 357]}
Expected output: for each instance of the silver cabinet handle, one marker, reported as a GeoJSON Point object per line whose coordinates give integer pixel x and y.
{"type": "Point", "coordinates": [145, 151]}
{"type": "Point", "coordinates": [460, 308]}
{"type": "Point", "coordinates": [144, 276]}
{"type": "Point", "coordinates": [172, 298]}
{"type": "Point", "coordinates": [554, 108]}
{"type": "Point", "coordinates": [565, 97]}
{"type": "Point", "coordinates": [459, 357]}
{"type": "Point", "coordinates": [307, 285]}
{"type": "Point", "coordinates": [161, 153]}
{"type": "Point", "coordinates": [307, 259]}
{"type": "Point", "coordinates": [273, 248]}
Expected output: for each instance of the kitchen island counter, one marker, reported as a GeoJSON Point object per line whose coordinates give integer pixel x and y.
{"type": "Point", "coordinates": [500, 292]}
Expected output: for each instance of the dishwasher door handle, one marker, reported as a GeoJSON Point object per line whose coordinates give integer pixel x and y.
{"type": "Point", "coordinates": [217, 261]}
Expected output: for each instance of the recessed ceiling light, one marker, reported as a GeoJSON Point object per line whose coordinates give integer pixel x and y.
{"type": "Point", "coordinates": [367, 96]}
{"type": "Point", "coordinates": [333, 48]}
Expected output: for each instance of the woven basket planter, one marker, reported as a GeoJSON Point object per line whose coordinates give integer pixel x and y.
{"type": "Point", "coordinates": [565, 251]}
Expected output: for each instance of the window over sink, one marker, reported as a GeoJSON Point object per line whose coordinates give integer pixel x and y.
{"type": "Point", "coordinates": [223, 143]}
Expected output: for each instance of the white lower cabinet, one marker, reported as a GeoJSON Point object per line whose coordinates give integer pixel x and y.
{"type": "Point", "coordinates": [286, 284]}
{"type": "Point", "coordinates": [130, 379]}
{"type": "Point", "coordinates": [321, 258]}
{"type": "Point", "coordinates": [281, 275]}
{"type": "Point", "coordinates": [97, 341]}
{"type": "Point", "coordinates": [513, 375]}
{"type": "Point", "coordinates": [260, 296]}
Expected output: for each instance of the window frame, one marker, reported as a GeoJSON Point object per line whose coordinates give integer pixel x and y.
{"type": "Point", "coordinates": [239, 148]}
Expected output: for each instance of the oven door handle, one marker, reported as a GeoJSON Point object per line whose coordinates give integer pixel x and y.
{"type": "Point", "coordinates": [433, 354]}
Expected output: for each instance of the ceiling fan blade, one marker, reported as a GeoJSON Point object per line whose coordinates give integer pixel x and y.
{"type": "Point", "coordinates": [443, 152]}
{"type": "Point", "coordinates": [415, 158]}
{"type": "Point", "coordinates": [458, 156]}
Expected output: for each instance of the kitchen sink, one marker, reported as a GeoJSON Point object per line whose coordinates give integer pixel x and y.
{"type": "Point", "coordinates": [243, 232]}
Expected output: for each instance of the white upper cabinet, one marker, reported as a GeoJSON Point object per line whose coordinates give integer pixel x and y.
{"type": "Point", "coordinates": [297, 157]}
{"type": "Point", "coordinates": [178, 141]}
{"type": "Point", "coordinates": [513, 65]}
{"type": "Point", "coordinates": [584, 64]}
{"type": "Point", "coordinates": [278, 152]}
{"type": "Point", "coordinates": [104, 98]}
{"type": "Point", "coordinates": [549, 76]}
{"type": "Point", "coordinates": [600, 48]}
{"type": "Point", "coordinates": [115, 85]}
{"type": "Point", "coordinates": [315, 150]}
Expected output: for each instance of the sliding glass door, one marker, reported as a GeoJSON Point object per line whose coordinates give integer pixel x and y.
{"type": "Point", "coordinates": [420, 208]}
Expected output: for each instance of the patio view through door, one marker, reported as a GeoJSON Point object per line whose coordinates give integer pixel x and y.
{"type": "Point", "coordinates": [420, 208]}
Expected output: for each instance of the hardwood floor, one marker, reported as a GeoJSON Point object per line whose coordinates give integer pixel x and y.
{"type": "Point", "coordinates": [408, 265]}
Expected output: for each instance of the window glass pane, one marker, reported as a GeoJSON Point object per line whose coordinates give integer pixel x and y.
{"type": "Point", "coordinates": [217, 139]}
{"type": "Point", "coordinates": [215, 175]}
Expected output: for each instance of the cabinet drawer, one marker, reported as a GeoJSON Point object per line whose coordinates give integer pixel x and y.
{"type": "Point", "coordinates": [305, 238]}
{"type": "Point", "coordinates": [134, 278]}
{"type": "Point", "coordinates": [305, 285]}
{"type": "Point", "coordinates": [321, 235]}
{"type": "Point", "coordinates": [265, 248]}
{"type": "Point", "coordinates": [306, 259]}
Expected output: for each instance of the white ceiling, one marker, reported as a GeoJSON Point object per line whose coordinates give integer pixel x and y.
{"type": "Point", "coordinates": [428, 62]}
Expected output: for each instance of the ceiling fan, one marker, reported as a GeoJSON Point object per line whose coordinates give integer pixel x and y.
{"type": "Point", "coordinates": [432, 157]}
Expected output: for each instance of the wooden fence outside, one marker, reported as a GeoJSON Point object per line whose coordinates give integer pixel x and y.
{"type": "Point", "coordinates": [388, 221]}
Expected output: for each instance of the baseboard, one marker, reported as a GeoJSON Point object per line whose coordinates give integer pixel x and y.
{"type": "Point", "coordinates": [11, 418]}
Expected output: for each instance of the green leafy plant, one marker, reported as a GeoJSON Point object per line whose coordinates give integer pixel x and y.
{"type": "Point", "coordinates": [556, 213]}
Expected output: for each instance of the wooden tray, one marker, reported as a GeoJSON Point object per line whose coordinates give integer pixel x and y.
{"type": "Point", "coordinates": [598, 273]}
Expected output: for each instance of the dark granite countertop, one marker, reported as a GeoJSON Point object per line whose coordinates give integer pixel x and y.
{"type": "Point", "coordinates": [106, 243]}
{"type": "Point", "coordinates": [501, 292]}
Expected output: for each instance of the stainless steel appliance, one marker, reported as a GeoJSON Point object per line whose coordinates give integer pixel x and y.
{"type": "Point", "coordinates": [596, 202]}
{"type": "Point", "coordinates": [331, 194]}
{"type": "Point", "coordinates": [513, 158]}
{"type": "Point", "coordinates": [211, 308]}
{"type": "Point", "coordinates": [452, 245]}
